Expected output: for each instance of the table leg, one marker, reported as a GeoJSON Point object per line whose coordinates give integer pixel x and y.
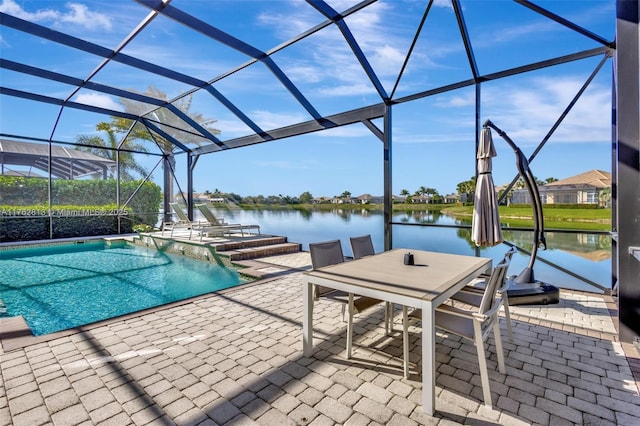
{"type": "Point", "coordinates": [428, 358]}
{"type": "Point", "coordinates": [405, 340]}
{"type": "Point", "coordinates": [350, 327]}
{"type": "Point", "coordinates": [307, 318]}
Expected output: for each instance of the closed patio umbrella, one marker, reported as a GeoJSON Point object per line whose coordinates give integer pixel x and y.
{"type": "Point", "coordinates": [485, 229]}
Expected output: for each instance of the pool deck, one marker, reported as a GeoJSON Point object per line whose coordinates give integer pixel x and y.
{"type": "Point", "coordinates": [236, 358]}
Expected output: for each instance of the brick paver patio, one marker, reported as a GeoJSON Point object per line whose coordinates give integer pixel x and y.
{"type": "Point", "coordinates": [236, 358]}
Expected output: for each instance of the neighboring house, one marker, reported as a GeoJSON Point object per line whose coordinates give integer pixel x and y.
{"type": "Point", "coordinates": [585, 188]}
{"type": "Point", "coordinates": [451, 199]}
{"type": "Point", "coordinates": [21, 173]}
{"type": "Point", "coordinates": [321, 200]}
{"type": "Point", "coordinates": [364, 198]}
{"type": "Point", "coordinates": [199, 197]}
{"type": "Point", "coordinates": [421, 199]}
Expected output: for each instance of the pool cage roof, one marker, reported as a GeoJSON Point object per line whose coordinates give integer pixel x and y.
{"type": "Point", "coordinates": [101, 60]}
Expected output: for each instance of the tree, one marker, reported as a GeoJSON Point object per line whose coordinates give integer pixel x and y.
{"type": "Point", "coordinates": [431, 192]}
{"type": "Point", "coordinates": [550, 180]}
{"type": "Point", "coordinates": [604, 197]}
{"type": "Point", "coordinates": [109, 149]}
{"type": "Point", "coordinates": [345, 194]}
{"type": "Point", "coordinates": [171, 124]}
{"type": "Point", "coordinates": [305, 197]}
{"type": "Point", "coordinates": [467, 187]}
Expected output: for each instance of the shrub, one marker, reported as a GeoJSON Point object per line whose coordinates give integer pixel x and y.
{"type": "Point", "coordinates": [79, 207]}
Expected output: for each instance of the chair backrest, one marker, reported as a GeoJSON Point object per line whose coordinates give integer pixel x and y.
{"type": "Point", "coordinates": [502, 288]}
{"type": "Point", "coordinates": [509, 254]}
{"type": "Point", "coordinates": [326, 253]}
{"type": "Point", "coordinates": [362, 246]}
{"type": "Point", "coordinates": [208, 214]}
{"type": "Point", "coordinates": [179, 212]}
{"type": "Point", "coordinates": [494, 282]}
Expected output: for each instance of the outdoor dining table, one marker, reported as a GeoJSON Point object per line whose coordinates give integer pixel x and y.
{"type": "Point", "coordinates": [430, 281]}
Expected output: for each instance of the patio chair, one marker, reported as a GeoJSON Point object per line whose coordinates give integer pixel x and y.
{"type": "Point", "coordinates": [330, 253]}
{"type": "Point", "coordinates": [218, 226]}
{"type": "Point", "coordinates": [475, 325]}
{"type": "Point", "coordinates": [182, 222]}
{"type": "Point", "coordinates": [362, 246]}
{"type": "Point", "coordinates": [472, 293]}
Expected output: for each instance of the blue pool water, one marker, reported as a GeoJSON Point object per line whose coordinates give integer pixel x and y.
{"type": "Point", "coordinates": [64, 286]}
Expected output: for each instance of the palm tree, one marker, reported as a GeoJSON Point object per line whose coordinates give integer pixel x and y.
{"type": "Point", "coordinates": [467, 187]}
{"type": "Point", "coordinates": [100, 147]}
{"type": "Point", "coordinates": [604, 197]}
{"type": "Point", "coordinates": [171, 124]}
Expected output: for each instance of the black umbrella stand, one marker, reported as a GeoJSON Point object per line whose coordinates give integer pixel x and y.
{"type": "Point", "coordinates": [525, 289]}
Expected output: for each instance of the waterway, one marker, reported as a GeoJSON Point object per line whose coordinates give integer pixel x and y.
{"type": "Point", "coordinates": [585, 254]}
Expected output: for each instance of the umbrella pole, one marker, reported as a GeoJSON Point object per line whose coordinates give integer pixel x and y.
{"type": "Point", "coordinates": [527, 276]}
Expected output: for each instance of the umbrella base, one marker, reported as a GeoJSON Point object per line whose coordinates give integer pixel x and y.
{"type": "Point", "coordinates": [535, 293]}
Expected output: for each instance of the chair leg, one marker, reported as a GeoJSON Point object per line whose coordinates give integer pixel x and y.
{"type": "Point", "coordinates": [350, 326]}
{"type": "Point", "coordinates": [482, 362]}
{"type": "Point", "coordinates": [405, 341]}
{"type": "Point", "coordinates": [507, 317]}
{"type": "Point", "coordinates": [388, 318]}
{"type": "Point", "coordinates": [499, 350]}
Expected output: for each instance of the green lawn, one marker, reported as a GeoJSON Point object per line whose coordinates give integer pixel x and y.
{"type": "Point", "coordinates": [587, 219]}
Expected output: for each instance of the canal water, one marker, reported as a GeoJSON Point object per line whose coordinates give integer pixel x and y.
{"type": "Point", "coordinates": [586, 255]}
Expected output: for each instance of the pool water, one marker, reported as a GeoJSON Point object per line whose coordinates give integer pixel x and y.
{"type": "Point", "coordinates": [64, 286]}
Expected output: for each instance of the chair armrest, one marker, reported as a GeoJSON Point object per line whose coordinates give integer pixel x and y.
{"type": "Point", "coordinates": [455, 311]}
{"type": "Point", "coordinates": [496, 306]}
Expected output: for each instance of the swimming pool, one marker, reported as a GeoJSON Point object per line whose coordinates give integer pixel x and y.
{"type": "Point", "coordinates": [58, 287]}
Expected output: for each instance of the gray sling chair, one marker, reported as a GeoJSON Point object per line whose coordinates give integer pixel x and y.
{"type": "Point", "coordinates": [361, 247]}
{"type": "Point", "coordinates": [330, 253]}
{"type": "Point", "coordinates": [474, 325]}
{"type": "Point", "coordinates": [472, 293]}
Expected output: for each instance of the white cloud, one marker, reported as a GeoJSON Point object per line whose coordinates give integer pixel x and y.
{"type": "Point", "coordinates": [351, 89]}
{"type": "Point", "coordinates": [81, 15]}
{"type": "Point", "coordinates": [328, 62]}
{"type": "Point", "coordinates": [76, 14]}
{"type": "Point", "coordinates": [528, 110]}
{"type": "Point", "coordinates": [269, 120]}
{"type": "Point", "coordinates": [346, 132]}
{"type": "Point", "coordinates": [98, 100]}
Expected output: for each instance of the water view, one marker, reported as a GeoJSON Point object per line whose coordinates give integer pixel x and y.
{"type": "Point", "coordinates": [585, 254]}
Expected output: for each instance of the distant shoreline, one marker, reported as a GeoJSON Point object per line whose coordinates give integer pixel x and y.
{"type": "Point", "coordinates": [588, 219]}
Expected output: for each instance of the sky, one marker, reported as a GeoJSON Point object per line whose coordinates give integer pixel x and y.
{"type": "Point", "coordinates": [433, 138]}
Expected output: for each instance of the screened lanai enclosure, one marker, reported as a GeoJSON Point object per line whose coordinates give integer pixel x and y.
{"type": "Point", "coordinates": [112, 110]}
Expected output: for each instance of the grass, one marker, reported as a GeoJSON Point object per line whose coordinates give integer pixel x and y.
{"type": "Point", "coordinates": [586, 219]}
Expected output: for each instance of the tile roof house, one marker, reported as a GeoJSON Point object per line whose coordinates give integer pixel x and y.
{"type": "Point", "coordinates": [585, 188]}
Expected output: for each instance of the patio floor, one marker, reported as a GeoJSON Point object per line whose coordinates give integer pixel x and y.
{"type": "Point", "coordinates": [236, 358]}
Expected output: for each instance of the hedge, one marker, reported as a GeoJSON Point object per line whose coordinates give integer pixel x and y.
{"type": "Point", "coordinates": [80, 207]}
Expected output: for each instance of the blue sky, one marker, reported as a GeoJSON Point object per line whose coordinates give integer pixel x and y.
{"type": "Point", "coordinates": [433, 138]}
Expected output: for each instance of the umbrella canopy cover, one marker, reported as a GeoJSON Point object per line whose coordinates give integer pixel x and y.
{"type": "Point", "coordinates": [485, 228]}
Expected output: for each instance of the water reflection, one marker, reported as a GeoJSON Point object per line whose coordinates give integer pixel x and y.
{"type": "Point", "coordinates": [585, 254]}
